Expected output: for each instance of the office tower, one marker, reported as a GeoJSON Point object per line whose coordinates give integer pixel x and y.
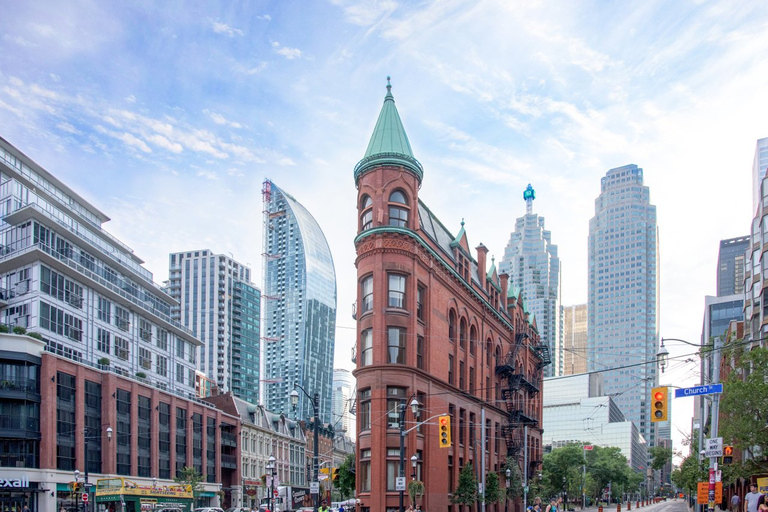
{"type": "Point", "coordinates": [437, 334]}
{"type": "Point", "coordinates": [221, 306]}
{"type": "Point", "coordinates": [623, 307]}
{"type": "Point", "coordinates": [577, 411]}
{"type": "Point", "coordinates": [574, 339]}
{"type": "Point", "coordinates": [300, 306]}
{"type": "Point", "coordinates": [530, 259]}
{"type": "Point", "coordinates": [759, 168]}
{"type": "Point", "coordinates": [730, 265]}
{"type": "Point", "coordinates": [343, 395]}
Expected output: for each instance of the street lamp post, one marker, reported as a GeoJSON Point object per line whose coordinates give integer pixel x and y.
{"type": "Point", "coordinates": [506, 491]}
{"type": "Point", "coordinates": [315, 401]}
{"type": "Point", "coordinates": [88, 437]}
{"type": "Point", "coordinates": [272, 473]}
{"type": "Point", "coordinates": [415, 411]}
{"type": "Point", "coordinates": [662, 356]}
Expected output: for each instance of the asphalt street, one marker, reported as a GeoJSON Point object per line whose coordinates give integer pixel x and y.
{"type": "Point", "coordinates": [674, 505]}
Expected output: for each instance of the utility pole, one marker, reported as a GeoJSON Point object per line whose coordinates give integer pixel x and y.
{"type": "Point", "coordinates": [718, 344]}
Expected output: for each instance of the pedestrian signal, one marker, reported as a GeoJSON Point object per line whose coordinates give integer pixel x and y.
{"type": "Point", "coordinates": [659, 404]}
{"type": "Point", "coordinates": [444, 431]}
{"type": "Point", "coordinates": [727, 454]}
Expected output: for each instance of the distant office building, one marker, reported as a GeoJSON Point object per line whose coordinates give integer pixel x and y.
{"type": "Point", "coordinates": [343, 394]}
{"type": "Point", "coordinates": [730, 265]}
{"type": "Point", "coordinates": [530, 259]}
{"type": "Point", "coordinates": [574, 339]}
{"type": "Point", "coordinates": [759, 168]}
{"type": "Point", "coordinates": [221, 306]}
{"type": "Point", "coordinates": [575, 411]}
{"type": "Point", "coordinates": [300, 304]}
{"type": "Point", "coordinates": [623, 307]}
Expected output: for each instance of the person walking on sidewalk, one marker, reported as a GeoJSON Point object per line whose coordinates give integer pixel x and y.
{"type": "Point", "coordinates": [750, 499]}
{"type": "Point", "coordinates": [735, 502]}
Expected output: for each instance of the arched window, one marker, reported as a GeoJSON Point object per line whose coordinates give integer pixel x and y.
{"type": "Point", "coordinates": [366, 218]}
{"type": "Point", "coordinates": [488, 351]}
{"type": "Point", "coordinates": [452, 326]}
{"type": "Point", "coordinates": [473, 340]}
{"type": "Point", "coordinates": [463, 334]}
{"type": "Point", "coordinates": [398, 209]}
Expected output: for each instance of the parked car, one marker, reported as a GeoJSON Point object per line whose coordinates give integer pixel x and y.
{"type": "Point", "coordinates": [239, 509]}
{"type": "Point", "coordinates": [209, 509]}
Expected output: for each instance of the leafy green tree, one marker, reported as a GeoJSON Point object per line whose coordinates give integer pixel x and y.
{"type": "Point", "coordinates": [190, 476]}
{"type": "Point", "coordinates": [345, 483]}
{"type": "Point", "coordinates": [560, 467]}
{"type": "Point", "coordinates": [690, 472]}
{"type": "Point", "coordinates": [493, 492]}
{"type": "Point", "coordinates": [660, 456]}
{"type": "Point", "coordinates": [744, 407]}
{"type": "Point", "coordinates": [466, 491]}
{"type": "Point", "coordinates": [515, 489]}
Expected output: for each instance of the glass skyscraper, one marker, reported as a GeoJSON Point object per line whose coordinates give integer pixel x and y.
{"type": "Point", "coordinates": [221, 306]}
{"type": "Point", "coordinates": [730, 265]}
{"type": "Point", "coordinates": [574, 339]}
{"type": "Point", "coordinates": [623, 307]}
{"type": "Point", "coordinates": [300, 306]}
{"type": "Point", "coordinates": [530, 259]}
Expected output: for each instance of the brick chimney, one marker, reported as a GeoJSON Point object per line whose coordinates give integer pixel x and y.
{"type": "Point", "coordinates": [504, 278]}
{"type": "Point", "coordinates": [482, 253]}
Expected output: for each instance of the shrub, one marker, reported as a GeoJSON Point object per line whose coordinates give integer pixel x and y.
{"type": "Point", "coordinates": [104, 361]}
{"type": "Point", "coordinates": [4, 328]}
{"type": "Point", "coordinates": [19, 330]}
{"type": "Point", "coordinates": [35, 335]}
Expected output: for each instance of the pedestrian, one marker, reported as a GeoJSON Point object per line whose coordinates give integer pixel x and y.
{"type": "Point", "coordinates": [324, 508]}
{"type": "Point", "coordinates": [537, 504]}
{"type": "Point", "coordinates": [735, 502]}
{"type": "Point", "coordinates": [762, 504]}
{"type": "Point", "coordinates": [409, 509]}
{"type": "Point", "coordinates": [552, 507]}
{"type": "Point", "coordinates": [341, 508]}
{"type": "Point", "coordinates": [750, 499]}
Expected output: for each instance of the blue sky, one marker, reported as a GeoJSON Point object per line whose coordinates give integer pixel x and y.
{"type": "Point", "coordinates": [169, 115]}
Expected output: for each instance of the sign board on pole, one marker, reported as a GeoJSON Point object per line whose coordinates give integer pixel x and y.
{"type": "Point", "coordinates": [762, 485]}
{"type": "Point", "coordinates": [714, 447]}
{"type": "Point", "coordinates": [709, 389]}
{"type": "Point", "coordinates": [314, 487]}
{"type": "Point", "coordinates": [400, 483]}
{"type": "Point", "coordinates": [84, 497]}
{"type": "Point", "coordinates": [588, 447]}
{"type": "Point", "coordinates": [702, 493]}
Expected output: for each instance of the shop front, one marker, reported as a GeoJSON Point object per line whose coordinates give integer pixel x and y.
{"type": "Point", "coordinates": [17, 492]}
{"type": "Point", "coordinates": [122, 495]}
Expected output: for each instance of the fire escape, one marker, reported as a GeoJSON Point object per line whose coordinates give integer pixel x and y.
{"type": "Point", "coordinates": [519, 390]}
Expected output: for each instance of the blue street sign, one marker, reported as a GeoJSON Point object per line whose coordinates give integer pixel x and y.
{"type": "Point", "coordinates": [709, 389]}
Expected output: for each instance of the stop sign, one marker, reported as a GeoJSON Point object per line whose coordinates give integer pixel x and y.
{"type": "Point", "coordinates": [275, 493]}
{"type": "Point", "coordinates": [84, 497]}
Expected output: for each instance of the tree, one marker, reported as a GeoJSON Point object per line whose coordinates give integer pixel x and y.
{"type": "Point", "coordinates": [493, 492]}
{"type": "Point", "coordinates": [515, 488]}
{"type": "Point", "coordinates": [560, 466]}
{"type": "Point", "coordinates": [660, 456]}
{"type": "Point", "coordinates": [345, 483]}
{"type": "Point", "coordinates": [690, 472]}
{"type": "Point", "coordinates": [190, 476]}
{"type": "Point", "coordinates": [466, 492]}
{"type": "Point", "coordinates": [743, 407]}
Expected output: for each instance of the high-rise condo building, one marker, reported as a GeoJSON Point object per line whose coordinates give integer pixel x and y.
{"type": "Point", "coordinates": [574, 339]}
{"type": "Point", "coordinates": [759, 168]}
{"type": "Point", "coordinates": [343, 396]}
{"type": "Point", "coordinates": [730, 265]}
{"type": "Point", "coordinates": [623, 306]}
{"type": "Point", "coordinates": [220, 304]}
{"type": "Point", "coordinates": [300, 306]}
{"type": "Point", "coordinates": [530, 259]}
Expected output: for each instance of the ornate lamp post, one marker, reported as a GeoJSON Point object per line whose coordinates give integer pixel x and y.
{"type": "Point", "coordinates": [272, 473]}
{"type": "Point", "coordinates": [415, 411]}
{"type": "Point", "coordinates": [506, 491]}
{"type": "Point", "coordinates": [315, 401]}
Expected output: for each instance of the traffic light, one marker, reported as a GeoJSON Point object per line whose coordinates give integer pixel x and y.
{"type": "Point", "coordinates": [335, 476]}
{"type": "Point", "coordinates": [444, 427]}
{"type": "Point", "coordinates": [727, 454]}
{"type": "Point", "coordinates": [659, 404]}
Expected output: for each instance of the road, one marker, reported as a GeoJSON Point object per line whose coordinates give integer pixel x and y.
{"type": "Point", "coordinates": [677, 505]}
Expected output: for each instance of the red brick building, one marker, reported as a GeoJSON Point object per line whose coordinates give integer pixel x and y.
{"type": "Point", "coordinates": [435, 324]}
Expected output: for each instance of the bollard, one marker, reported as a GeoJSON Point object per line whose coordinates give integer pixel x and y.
{"type": "Point", "coordinates": [629, 505]}
{"type": "Point", "coordinates": [600, 508]}
{"type": "Point", "coordinates": [638, 504]}
{"type": "Point", "coordinates": [618, 507]}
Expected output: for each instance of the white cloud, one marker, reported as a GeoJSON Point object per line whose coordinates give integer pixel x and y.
{"type": "Point", "coordinates": [66, 127]}
{"type": "Point", "coordinates": [223, 28]}
{"type": "Point", "coordinates": [266, 17]}
{"type": "Point", "coordinates": [219, 119]}
{"type": "Point", "coordinates": [130, 98]}
{"type": "Point", "coordinates": [287, 52]}
{"type": "Point", "coordinates": [163, 142]}
{"type": "Point", "coordinates": [365, 12]}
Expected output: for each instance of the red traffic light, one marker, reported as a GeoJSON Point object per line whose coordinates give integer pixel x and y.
{"type": "Point", "coordinates": [443, 421]}
{"type": "Point", "coordinates": [658, 395]}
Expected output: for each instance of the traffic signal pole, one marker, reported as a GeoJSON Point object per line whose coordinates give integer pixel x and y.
{"type": "Point", "coordinates": [718, 345]}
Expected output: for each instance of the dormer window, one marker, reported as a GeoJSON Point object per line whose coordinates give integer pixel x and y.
{"type": "Point", "coordinates": [366, 219]}
{"type": "Point", "coordinates": [398, 210]}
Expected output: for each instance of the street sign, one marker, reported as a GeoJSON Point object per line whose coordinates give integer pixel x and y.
{"type": "Point", "coordinates": [588, 447]}
{"type": "Point", "coordinates": [709, 389]}
{"type": "Point", "coordinates": [400, 483]}
{"type": "Point", "coordinates": [702, 492]}
{"type": "Point", "coordinates": [314, 487]}
{"type": "Point", "coordinates": [84, 497]}
{"type": "Point", "coordinates": [714, 447]}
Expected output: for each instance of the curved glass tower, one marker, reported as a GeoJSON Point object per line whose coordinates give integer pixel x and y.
{"type": "Point", "coordinates": [300, 306]}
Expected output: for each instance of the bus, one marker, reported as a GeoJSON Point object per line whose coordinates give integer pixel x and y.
{"type": "Point", "coordinates": [122, 495]}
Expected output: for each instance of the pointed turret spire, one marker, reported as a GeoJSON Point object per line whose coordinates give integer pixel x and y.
{"type": "Point", "coordinates": [389, 143]}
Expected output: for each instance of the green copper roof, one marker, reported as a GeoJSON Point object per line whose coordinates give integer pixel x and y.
{"type": "Point", "coordinates": [389, 143]}
{"type": "Point", "coordinates": [491, 270]}
{"type": "Point", "coordinates": [457, 240]}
